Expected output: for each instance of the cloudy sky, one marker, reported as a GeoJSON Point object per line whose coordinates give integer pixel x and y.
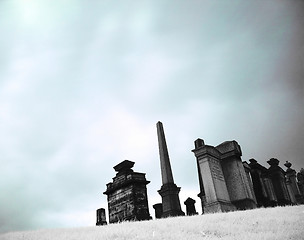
{"type": "Point", "coordinates": [83, 83]}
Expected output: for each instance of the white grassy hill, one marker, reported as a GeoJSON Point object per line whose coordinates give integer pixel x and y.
{"type": "Point", "coordinates": [271, 223]}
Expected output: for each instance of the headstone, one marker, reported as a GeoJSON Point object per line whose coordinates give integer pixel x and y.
{"type": "Point", "coordinates": [169, 191]}
{"type": "Point", "coordinates": [101, 217]}
{"type": "Point", "coordinates": [158, 207]}
{"type": "Point", "coordinates": [190, 207]}
{"type": "Point", "coordinates": [277, 176]}
{"type": "Point", "coordinates": [262, 185]}
{"type": "Point", "coordinates": [212, 184]}
{"type": "Point", "coordinates": [127, 194]}
{"type": "Point", "coordinates": [237, 182]}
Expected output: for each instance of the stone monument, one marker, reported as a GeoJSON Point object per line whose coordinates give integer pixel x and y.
{"type": "Point", "coordinates": [240, 193]}
{"type": "Point", "coordinates": [214, 194]}
{"type": "Point", "coordinates": [101, 217]}
{"type": "Point", "coordinates": [262, 185]}
{"type": "Point", "coordinates": [169, 191]}
{"type": "Point", "coordinates": [277, 176]}
{"type": "Point", "coordinates": [158, 207]}
{"type": "Point", "coordinates": [224, 183]}
{"type": "Point", "coordinates": [127, 194]}
{"type": "Point", "coordinates": [291, 181]}
{"type": "Point", "coordinates": [190, 206]}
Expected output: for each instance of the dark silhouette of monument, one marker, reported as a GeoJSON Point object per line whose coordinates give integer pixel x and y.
{"type": "Point", "coordinates": [277, 176]}
{"type": "Point", "coordinates": [127, 194]}
{"type": "Point", "coordinates": [190, 206]}
{"type": "Point", "coordinates": [169, 191]}
{"type": "Point", "coordinates": [101, 217]}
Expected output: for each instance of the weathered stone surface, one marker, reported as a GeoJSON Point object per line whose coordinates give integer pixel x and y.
{"type": "Point", "coordinates": [127, 194]}
{"type": "Point", "coordinates": [169, 191]}
{"type": "Point", "coordinates": [249, 179]}
{"type": "Point", "coordinates": [190, 206]}
{"type": "Point", "coordinates": [277, 176]}
{"type": "Point", "coordinates": [101, 217]}
{"type": "Point", "coordinates": [212, 185]}
{"type": "Point", "coordinates": [237, 182]}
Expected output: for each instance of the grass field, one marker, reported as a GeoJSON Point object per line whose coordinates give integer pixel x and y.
{"type": "Point", "coordinates": [271, 223]}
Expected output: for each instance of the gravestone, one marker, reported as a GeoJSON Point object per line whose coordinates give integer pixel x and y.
{"type": "Point", "coordinates": [190, 207]}
{"type": "Point", "coordinates": [235, 176]}
{"type": "Point", "coordinates": [214, 194]}
{"type": "Point", "coordinates": [262, 185]}
{"type": "Point", "coordinates": [158, 207]}
{"type": "Point", "coordinates": [169, 191]}
{"type": "Point", "coordinates": [101, 217]}
{"type": "Point", "coordinates": [277, 176]}
{"type": "Point", "coordinates": [127, 194]}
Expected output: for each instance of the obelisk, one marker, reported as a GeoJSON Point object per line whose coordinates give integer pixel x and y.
{"type": "Point", "coordinates": [169, 191]}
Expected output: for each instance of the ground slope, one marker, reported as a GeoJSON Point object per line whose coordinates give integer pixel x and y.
{"type": "Point", "coordinates": [271, 223]}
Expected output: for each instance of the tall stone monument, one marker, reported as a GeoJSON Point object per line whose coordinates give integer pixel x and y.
{"type": "Point", "coordinates": [277, 176]}
{"type": "Point", "coordinates": [214, 194]}
{"type": "Point", "coordinates": [127, 194]}
{"type": "Point", "coordinates": [169, 191]}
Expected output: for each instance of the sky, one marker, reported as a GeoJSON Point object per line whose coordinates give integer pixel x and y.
{"type": "Point", "coordinates": [83, 84]}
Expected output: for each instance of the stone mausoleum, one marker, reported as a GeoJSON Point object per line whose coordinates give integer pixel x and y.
{"type": "Point", "coordinates": [127, 194]}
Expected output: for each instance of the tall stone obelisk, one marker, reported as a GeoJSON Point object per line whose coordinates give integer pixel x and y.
{"type": "Point", "coordinates": [169, 191]}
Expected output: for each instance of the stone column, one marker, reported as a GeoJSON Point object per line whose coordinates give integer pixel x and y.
{"type": "Point", "coordinates": [216, 198]}
{"type": "Point", "coordinates": [101, 217]}
{"type": "Point", "coordinates": [169, 191]}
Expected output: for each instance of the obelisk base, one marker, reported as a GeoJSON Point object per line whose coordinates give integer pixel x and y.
{"type": "Point", "coordinates": [170, 200]}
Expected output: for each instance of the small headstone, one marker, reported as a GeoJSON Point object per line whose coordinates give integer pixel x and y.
{"type": "Point", "coordinates": [158, 207]}
{"type": "Point", "coordinates": [101, 217]}
{"type": "Point", "coordinates": [190, 206]}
